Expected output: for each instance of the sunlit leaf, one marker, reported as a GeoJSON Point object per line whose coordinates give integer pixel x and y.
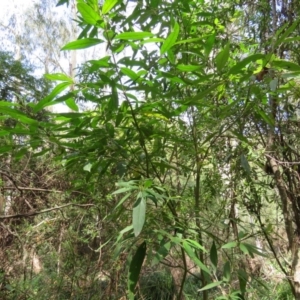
{"type": "Point", "coordinates": [88, 14]}
{"type": "Point", "coordinates": [72, 104]}
{"type": "Point", "coordinates": [57, 90]}
{"type": "Point", "coordinates": [170, 40]}
{"type": "Point", "coordinates": [210, 286]}
{"type": "Point", "coordinates": [88, 167]}
{"type": "Point", "coordinates": [188, 68]}
{"type": "Point", "coordinates": [59, 77]}
{"type": "Point", "coordinates": [229, 245]}
{"type": "Point", "coordinates": [222, 58]}
{"type": "Point", "coordinates": [243, 63]}
{"type": "Point", "coordinates": [82, 44]}
{"type": "Point", "coordinates": [108, 6]}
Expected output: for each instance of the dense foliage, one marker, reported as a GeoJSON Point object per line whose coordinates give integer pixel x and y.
{"type": "Point", "coordinates": [182, 180]}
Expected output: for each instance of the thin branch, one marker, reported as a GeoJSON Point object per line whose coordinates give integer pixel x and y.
{"type": "Point", "coordinates": [21, 188]}
{"type": "Point", "coordinates": [34, 213]}
{"type": "Point", "coordinates": [283, 162]}
{"type": "Point", "coordinates": [12, 180]}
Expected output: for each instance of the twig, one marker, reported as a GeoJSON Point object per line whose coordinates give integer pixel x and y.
{"type": "Point", "coordinates": [12, 180]}
{"type": "Point", "coordinates": [21, 188]}
{"type": "Point", "coordinates": [34, 213]}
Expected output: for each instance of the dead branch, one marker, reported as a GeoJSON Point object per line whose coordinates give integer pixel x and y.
{"type": "Point", "coordinates": [34, 213]}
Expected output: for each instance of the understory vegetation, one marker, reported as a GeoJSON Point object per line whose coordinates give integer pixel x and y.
{"type": "Point", "coordinates": [175, 172]}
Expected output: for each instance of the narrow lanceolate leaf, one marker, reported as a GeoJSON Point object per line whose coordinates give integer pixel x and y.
{"type": "Point", "coordinates": [286, 33]}
{"type": "Point", "coordinates": [243, 63]}
{"type": "Point", "coordinates": [82, 44]}
{"type": "Point", "coordinates": [72, 104]}
{"type": "Point", "coordinates": [226, 272]}
{"type": "Point", "coordinates": [243, 278]}
{"type": "Point", "coordinates": [286, 65]}
{"type": "Point", "coordinates": [209, 44]}
{"type": "Point", "coordinates": [59, 77]}
{"type": "Point", "coordinates": [138, 215]}
{"type": "Point", "coordinates": [188, 68]}
{"type": "Point", "coordinates": [222, 58]}
{"type": "Point", "coordinates": [189, 251]}
{"type": "Point", "coordinates": [214, 256]}
{"type": "Point", "coordinates": [133, 35]}
{"type": "Point", "coordinates": [210, 286]}
{"type": "Point", "coordinates": [108, 6]}
{"type": "Point", "coordinates": [88, 14]}
{"type": "Point", "coordinates": [170, 40]}
{"type": "Point", "coordinates": [135, 268]}
{"type": "Point", "coordinates": [229, 245]}
{"type": "Point", "coordinates": [131, 74]}
{"type": "Point", "coordinates": [58, 89]}
{"type": "Point", "coordinates": [18, 115]}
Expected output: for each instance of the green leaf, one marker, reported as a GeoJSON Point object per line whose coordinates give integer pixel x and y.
{"type": "Point", "coordinates": [189, 41]}
{"type": "Point", "coordinates": [162, 252]}
{"type": "Point", "coordinates": [133, 35]}
{"type": "Point", "coordinates": [292, 39]}
{"type": "Point", "coordinates": [4, 149]}
{"type": "Point", "coordinates": [245, 250]}
{"type": "Point", "coordinates": [7, 103]}
{"type": "Point", "coordinates": [135, 268]}
{"type": "Point", "coordinates": [195, 245]}
{"type": "Point", "coordinates": [61, 2]}
{"type": "Point", "coordinates": [229, 245]}
{"type": "Point", "coordinates": [131, 74]}
{"type": "Point", "coordinates": [82, 44]}
{"type": "Point", "coordinates": [243, 63]}
{"type": "Point", "coordinates": [88, 14]}
{"type": "Point", "coordinates": [189, 251]}
{"type": "Point", "coordinates": [286, 33]}
{"type": "Point", "coordinates": [210, 286]}
{"type": "Point", "coordinates": [88, 167]}
{"type": "Point", "coordinates": [108, 6]}
{"type": "Point", "coordinates": [188, 68]}
{"type": "Point", "coordinates": [102, 62]}
{"type": "Point", "coordinates": [18, 115]}
{"type": "Point", "coordinates": [122, 200]}
{"type": "Point", "coordinates": [226, 272]}
{"type": "Point", "coordinates": [214, 256]}
{"type": "Point", "coordinates": [253, 249]}
{"type": "Point", "coordinates": [72, 104]}
{"type": "Point", "coordinates": [58, 89]}
{"type": "Point", "coordinates": [209, 44]}
{"type": "Point", "coordinates": [286, 65]}
{"type": "Point", "coordinates": [138, 215]}
{"type": "Point", "coordinates": [243, 278]}
{"type": "Point", "coordinates": [222, 58]}
{"type": "Point", "coordinates": [170, 40]}
{"type": "Point", "coordinates": [152, 40]}
{"type": "Point", "coordinates": [264, 116]}
{"type": "Point", "coordinates": [245, 164]}
{"type": "Point", "coordinates": [59, 77]}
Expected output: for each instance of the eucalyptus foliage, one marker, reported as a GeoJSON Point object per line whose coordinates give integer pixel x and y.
{"type": "Point", "coordinates": [191, 135]}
